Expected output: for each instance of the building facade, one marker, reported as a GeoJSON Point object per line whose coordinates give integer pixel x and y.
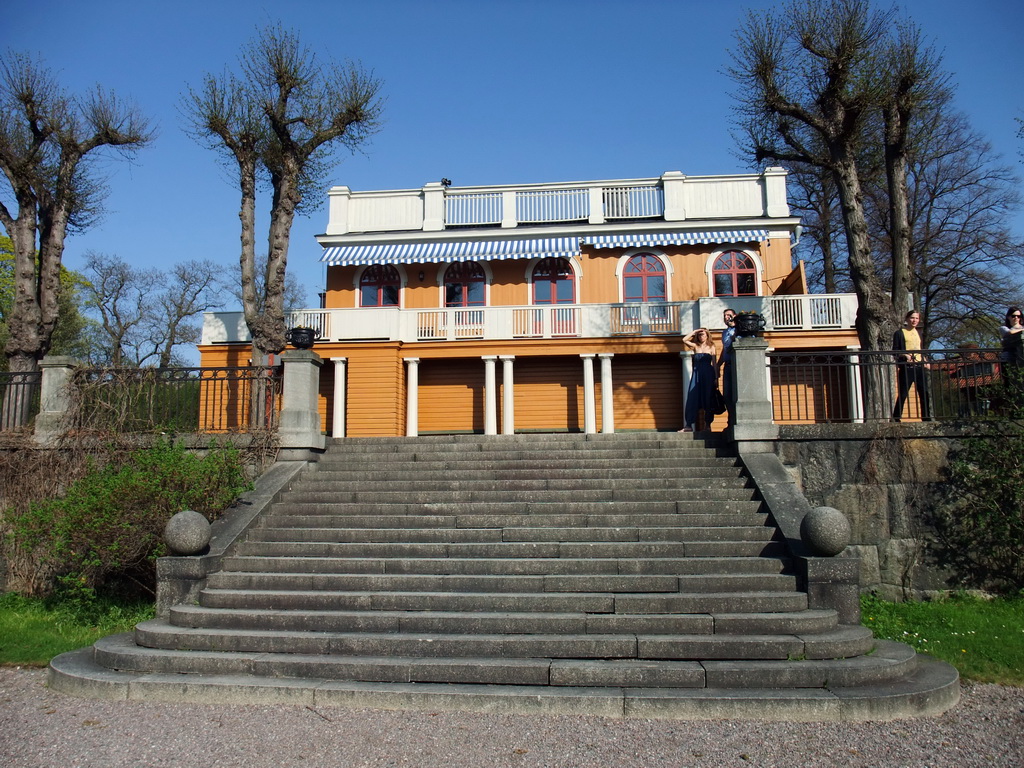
{"type": "Point", "coordinates": [543, 307]}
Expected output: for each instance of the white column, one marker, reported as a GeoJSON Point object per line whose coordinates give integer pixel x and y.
{"type": "Point", "coordinates": [589, 399]}
{"type": "Point", "coordinates": [687, 358]}
{"type": "Point", "coordinates": [856, 390]}
{"type": "Point", "coordinates": [490, 397]}
{"type": "Point", "coordinates": [508, 412]}
{"type": "Point", "coordinates": [607, 394]}
{"type": "Point", "coordinates": [412, 397]}
{"type": "Point", "coordinates": [340, 389]}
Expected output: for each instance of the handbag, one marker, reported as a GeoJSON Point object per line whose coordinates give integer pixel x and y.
{"type": "Point", "coordinates": [718, 402]}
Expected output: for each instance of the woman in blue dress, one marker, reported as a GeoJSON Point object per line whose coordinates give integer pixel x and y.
{"type": "Point", "coordinates": [699, 411]}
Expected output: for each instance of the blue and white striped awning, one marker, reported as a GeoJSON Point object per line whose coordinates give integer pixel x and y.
{"type": "Point", "coordinates": [634, 240]}
{"type": "Point", "coordinates": [462, 250]}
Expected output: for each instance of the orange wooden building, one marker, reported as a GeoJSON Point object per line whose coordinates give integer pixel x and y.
{"type": "Point", "coordinates": [543, 307]}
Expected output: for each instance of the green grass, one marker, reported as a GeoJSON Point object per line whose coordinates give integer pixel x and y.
{"type": "Point", "coordinates": [983, 639]}
{"type": "Point", "coordinates": [33, 631]}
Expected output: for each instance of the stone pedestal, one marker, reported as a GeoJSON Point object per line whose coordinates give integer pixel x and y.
{"type": "Point", "coordinates": [301, 438]}
{"type": "Point", "coordinates": [53, 397]}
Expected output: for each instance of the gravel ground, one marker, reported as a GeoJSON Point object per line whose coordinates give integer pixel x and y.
{"type": "Point", "coordinates": [39, 727]}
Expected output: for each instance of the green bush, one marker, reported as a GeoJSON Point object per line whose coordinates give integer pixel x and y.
{"type": "Point", "coordinates": [109, 524]}
{"type": "Point", "coordinates": [981, 529]}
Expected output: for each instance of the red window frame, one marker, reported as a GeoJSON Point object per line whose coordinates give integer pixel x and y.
{"type": "Point", "coordinates": [379, 286]}
{"type": "Point", "coordinates": [734, 274]}
{"type": "Point", "coordinates": [640, 279]}
{"type": "Point", "coordinates": [465, 285]}
{"type": "Point", "coordinates": [556, 278]}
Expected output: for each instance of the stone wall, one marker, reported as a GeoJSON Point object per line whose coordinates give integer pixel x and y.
{"type": "Point", "coordinates": [887, 479]}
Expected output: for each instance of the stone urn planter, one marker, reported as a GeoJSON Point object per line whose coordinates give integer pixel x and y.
{"type": "Point", "coordinates": [749, 324]}
{"type": "Point", "coordinates": [301, 338]}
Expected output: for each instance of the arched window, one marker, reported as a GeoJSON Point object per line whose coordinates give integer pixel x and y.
{"type": "Point", "coordinates": [643, 279]}
{"type": "Point", "coordinates": [553, 282]}
{"type": "Point", "coordinates": [735, 275]}
{"type": "Point", "coordinates": [378, 286]}
{"type": "Point", "coordinates": [464, 285]}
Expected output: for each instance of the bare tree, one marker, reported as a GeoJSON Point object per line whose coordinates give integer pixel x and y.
{"type": "Point", "coordinates": [190, 289]}
{"type": "Point", "coordinates": [817, 80]}
{"type": "Point", "coordinates": [145, 315]}
{"type": "Point", "coordinates": [121, 296]}
{"type": "Point", "coordinates": [278, 120]}
{"type": "Point", "coordinates": [47, 139]}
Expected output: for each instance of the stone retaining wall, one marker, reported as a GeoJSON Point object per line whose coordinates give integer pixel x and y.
{"type": "Point", "coordinates": [886, 478]}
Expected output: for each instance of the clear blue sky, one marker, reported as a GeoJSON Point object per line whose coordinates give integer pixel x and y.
{"type": "Point", "coordinates": [478, 91]}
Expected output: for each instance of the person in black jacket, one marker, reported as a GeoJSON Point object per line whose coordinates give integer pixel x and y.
{"type": "Point", "coordinates": [1011, 334]}
{"type": "Point", "coordinates": [911, 369]}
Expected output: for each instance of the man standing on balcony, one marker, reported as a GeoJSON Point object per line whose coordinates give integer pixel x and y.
{"type": "Point", "coordinates": [725, 364]}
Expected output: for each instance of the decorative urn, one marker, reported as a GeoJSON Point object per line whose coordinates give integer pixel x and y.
{"type": "Point", "coordinates": [300, 337]}
{"type": "Point", "coordinates": [749, 324]}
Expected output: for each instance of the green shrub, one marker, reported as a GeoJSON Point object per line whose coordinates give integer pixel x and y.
{"type": "Point", "coordinates": [109, 524]}
{"type": "Point", "coordinates": [981, 529]}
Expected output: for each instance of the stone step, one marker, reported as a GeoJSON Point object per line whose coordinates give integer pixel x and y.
{"type": "Point", "coordinates": [892, 661]}
{"type": "Point", "coordinates": [524, 534]}
{"type": "Point", "coordinates": [679, 506]}
{"type": "Point", "coordinates": [557, 602]}
{"type": "Point", "coordinates": [843, 642]}
{"type": "Point", "coordinates": [502, 471]}
{"type": "Point", "coordinates": [455, 622]}
{"type": "Point", "coordinates": [511, 566]}
{"type": "Point", "coordinates": [507, 549]}
{"type": "Point", "coordinates": [282, 519]}
{"type": "Point", "coordinates": [597, 496]}
{"type": "Point", "coordinates": [485, 483]}
{"type": "Point", "coordinates": [618, 583]}
{"type": "Point", "coordinates": [931, 688]}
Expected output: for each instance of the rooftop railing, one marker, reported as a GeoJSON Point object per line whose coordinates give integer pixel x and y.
{"type": "Point", "coordinates": [669, 197]}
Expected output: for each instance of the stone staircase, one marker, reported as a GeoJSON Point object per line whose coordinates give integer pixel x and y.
{"type": "Point", "coordinates": [619, 575]}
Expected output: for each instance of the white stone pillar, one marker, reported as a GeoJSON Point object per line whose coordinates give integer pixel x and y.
{"type": "Point", "coordinates": [412, 397]}
{"type": "Point", "coordinates": [433, 207]}
{"type": "Point", "coordinates": [607, 394]}
{"type": "Point", "coordinates": [337, 217]}
{"type": "Point", "coordinates": [508, 412]}
{"type": "Point", "coordinates": [687, 358]}
{"type": "Point", "coordinates": [673, 184]}
{"type": "Point", "coordinates": [775, 192]}
{"type": "Point", "coordinates": [854, 383]}
{"type": "Point", "coordinates": [589, 398]}
{"type": "Point", "coordinates": [340, 391]}
{"type": "Point", "coordinates": [490, 397]}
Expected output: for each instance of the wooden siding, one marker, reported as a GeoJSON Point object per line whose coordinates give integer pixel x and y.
{"type": "Point", "coordinates": [451, 396]}
{"type": "Point", "coordinates": [648, 392]}
{"type": "Point", "coordinates": [549, 394]}
{"type": "Point", "coordinates": [375, 401]}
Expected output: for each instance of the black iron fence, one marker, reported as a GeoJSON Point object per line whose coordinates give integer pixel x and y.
{"type": "Point", "coordinates": [854, 386]}
{"type": "Point", "coordinates": [19, 399]}
{"type": "Point", "coordinates": [211, 400]}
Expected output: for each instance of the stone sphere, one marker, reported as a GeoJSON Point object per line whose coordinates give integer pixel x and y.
{"type": "Point", "coordinates": [825, 530]}
{"type": "Point", "coordinates": [187, 533]}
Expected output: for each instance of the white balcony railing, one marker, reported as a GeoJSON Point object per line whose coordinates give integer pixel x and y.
{"type": "Point", "coordinates": [669, 197]}
{"type": "Point", "coordinates": [809, 313]}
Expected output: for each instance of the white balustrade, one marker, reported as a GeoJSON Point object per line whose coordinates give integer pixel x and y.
{"type": "Point", "coordinates": [548, 321]}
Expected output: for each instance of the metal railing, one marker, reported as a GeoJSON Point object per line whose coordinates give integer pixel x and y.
{"type": "Point", "coordinates": [204, 400]}
{"type": "Point", "coordinates": [19, 399]}
{"type": "Point", "coordinates": [857, 386]}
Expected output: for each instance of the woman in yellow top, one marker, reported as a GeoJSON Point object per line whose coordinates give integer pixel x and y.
{"type": "Point", "coordinates": [910, 366]}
